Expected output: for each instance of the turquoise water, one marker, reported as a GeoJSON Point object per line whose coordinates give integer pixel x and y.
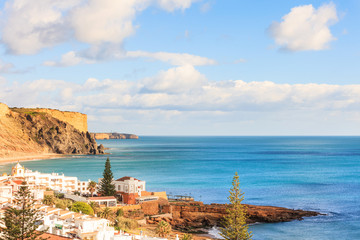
{"type": "Point", "coordinates": [311, 173]}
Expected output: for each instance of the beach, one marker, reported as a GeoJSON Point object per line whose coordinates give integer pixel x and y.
{"type": "Point", "coordinates": [29, 157]}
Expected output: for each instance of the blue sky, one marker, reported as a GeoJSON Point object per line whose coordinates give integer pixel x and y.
{"type": "Point", "coordinates": [187, 67]}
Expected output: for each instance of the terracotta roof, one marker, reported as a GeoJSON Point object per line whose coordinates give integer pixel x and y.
{"type": "Point", "coordinates": [126, 178]}
{"type": "Point", "coordinates": [53, 236]}
{"type": "Point", "coordinates": [102, 198]}
{"type": "Point", "coordinates": [18, 182]}
{"type": "Point", "coordinates": [50, 209]}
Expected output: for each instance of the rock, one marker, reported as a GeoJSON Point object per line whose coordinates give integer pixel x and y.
{"type": "Point", "coordinates": [101, 149]}
{"type": "Point", "coordinates": [197, 215]}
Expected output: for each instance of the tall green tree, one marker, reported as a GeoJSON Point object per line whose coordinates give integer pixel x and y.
{"type": "Point", "coordinates": [22, 220]}
{"type": "Point", "coordinates": [107, 188]}
{"type": "Point", "coordinates": [234, 224]}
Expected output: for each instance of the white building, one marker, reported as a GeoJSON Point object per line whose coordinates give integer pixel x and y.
{"type": "Point", "coordinates": [129, 185]}
{"type": "Point", "coordinates": [6, 194]}
{"type": "Point", "coordinates": [75, 225]}
{"type": "Point", "coordinates": [129, 189]}
{"type": "Point", "coordinates": [109, 201]}
{"type": "Point", "coordinates": [54, 181]}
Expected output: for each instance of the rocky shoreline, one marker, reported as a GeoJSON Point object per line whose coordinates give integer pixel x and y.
{"type": "Point", "coordinates": [195, 216]}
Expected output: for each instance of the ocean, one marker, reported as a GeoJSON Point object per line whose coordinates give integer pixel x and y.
{"type": "Point", "coordinates": [311, 173]}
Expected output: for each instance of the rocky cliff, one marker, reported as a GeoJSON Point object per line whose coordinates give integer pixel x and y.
{"type": "Point", "coordinates": [77, 120]}
{"type": "Point", "coordinates": [36, 131]}
{"type": "Point", "coordinates": [101, 136]}
{"type": "Point", "coordinates": [190, 215]}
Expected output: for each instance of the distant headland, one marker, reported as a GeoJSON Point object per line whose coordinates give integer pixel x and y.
{"type": "Point", "coordinates": [102, 136]}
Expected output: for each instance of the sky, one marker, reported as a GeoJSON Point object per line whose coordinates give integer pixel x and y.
{"type": "Point", "coordinates": [187, 67]}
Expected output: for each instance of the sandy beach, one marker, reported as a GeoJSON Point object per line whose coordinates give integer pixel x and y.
{"type": "Point", "coordinates": [29, 157]}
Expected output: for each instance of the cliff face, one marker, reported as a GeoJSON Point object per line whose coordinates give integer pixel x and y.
{"type": "Point", "coordinates": [77, 120]}
{"type": "Point", "coordinates": [28, 131]}
{"type": "Point", "coordinates": [101, 136]}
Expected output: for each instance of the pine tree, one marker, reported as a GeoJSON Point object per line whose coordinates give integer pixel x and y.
{"type": "Point", "coordinates": [22, 220]}
{"type": "Point", "coordinates": [234, 224]}
{"type": "Point", "coordinates": [107, 188]}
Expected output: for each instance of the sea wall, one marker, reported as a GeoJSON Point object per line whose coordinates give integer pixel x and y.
{"type": "Point", "coordinates": [77, 120]}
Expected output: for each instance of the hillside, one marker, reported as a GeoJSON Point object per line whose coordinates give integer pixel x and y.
{"type": "Point", "coordinates": [26, 132]}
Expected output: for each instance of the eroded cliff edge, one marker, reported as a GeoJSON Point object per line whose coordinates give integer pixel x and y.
{"type": "Point", "coordinates": [25, 131]}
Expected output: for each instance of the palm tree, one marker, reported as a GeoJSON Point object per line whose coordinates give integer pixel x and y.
{"type": "Point", "coordinates": [107, 213]}
{"type": "Point", "coordinates": [92, 187]}
{"type": "Point", "coordinates": [49, 200]}
{"type": "Point", "coordinates": [95, 206]}
{"type": "Point", "coordinates": [163, 229]}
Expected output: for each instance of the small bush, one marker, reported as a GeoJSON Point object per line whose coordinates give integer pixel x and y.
{"type": "Point", "coordinates": [49, 200]}
{"type": "Point", "coordinates": [163, 229]}
{"type": "Point", "coordinates": [63, 203]}
{"type": "Point", "coordinates": [187, 237]}
{"type": "Point", "coordinates": [120, 212]}
{"type": "Point", "coordinates": [125, 224]}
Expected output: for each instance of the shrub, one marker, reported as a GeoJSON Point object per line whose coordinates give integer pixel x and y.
{"type": "Point", "coordinates": [63, 203]}
{"type": "Point", "coordinates": [83, 207]}
{"type": "Point", "coordinates": [163, 229]}
{"type": "Point", "coordinates": [48, 200]}
{"type": "Point", "coordinates": [187, 236]}
{"type": "Point", "coordinates": [120, 212]}
{"type": "Point", "coordinates": [125, 224]}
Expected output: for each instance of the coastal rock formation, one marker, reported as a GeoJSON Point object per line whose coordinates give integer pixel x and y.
{"type": "Point", "coordinates": [101, 136]}
{"type": "Point", "coordinates": [29, 132]}
{"type": "Point", "coordinates": [190, 215]}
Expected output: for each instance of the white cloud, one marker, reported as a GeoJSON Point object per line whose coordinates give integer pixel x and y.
{"type": "Point", "coordinates": [205, 7]}
{"type": "Point", "coordinates": [171, 5]}
{"type": "Point", "coordinates": [6, 67]}
{"type": "Point", "coordinates": [101, 21]}
{"type": "Point", "coordinates": [182, 101]}
{"type": "Point", "coordinates": [95, 54]}
{"type": "Point", "coordinates": [69, 59]}
{"type": "Point", "coordinates": [33, 25]}
{"type": "Point", "coordinates": [176, 80]}
{"type": "Point", "coordinates": [241, 60]}
{"type": "Point", "coordinates": [184, 88]}
{"type": "Point", "coordinates": [30, 26]}
{"type": "Point", "coordinates": [177, 59]}
{"type": "Point", "coordinates": [305, 28]}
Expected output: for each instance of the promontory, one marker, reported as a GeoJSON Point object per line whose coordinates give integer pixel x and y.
{"type": "Point", "coordinates": [38, 132]}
